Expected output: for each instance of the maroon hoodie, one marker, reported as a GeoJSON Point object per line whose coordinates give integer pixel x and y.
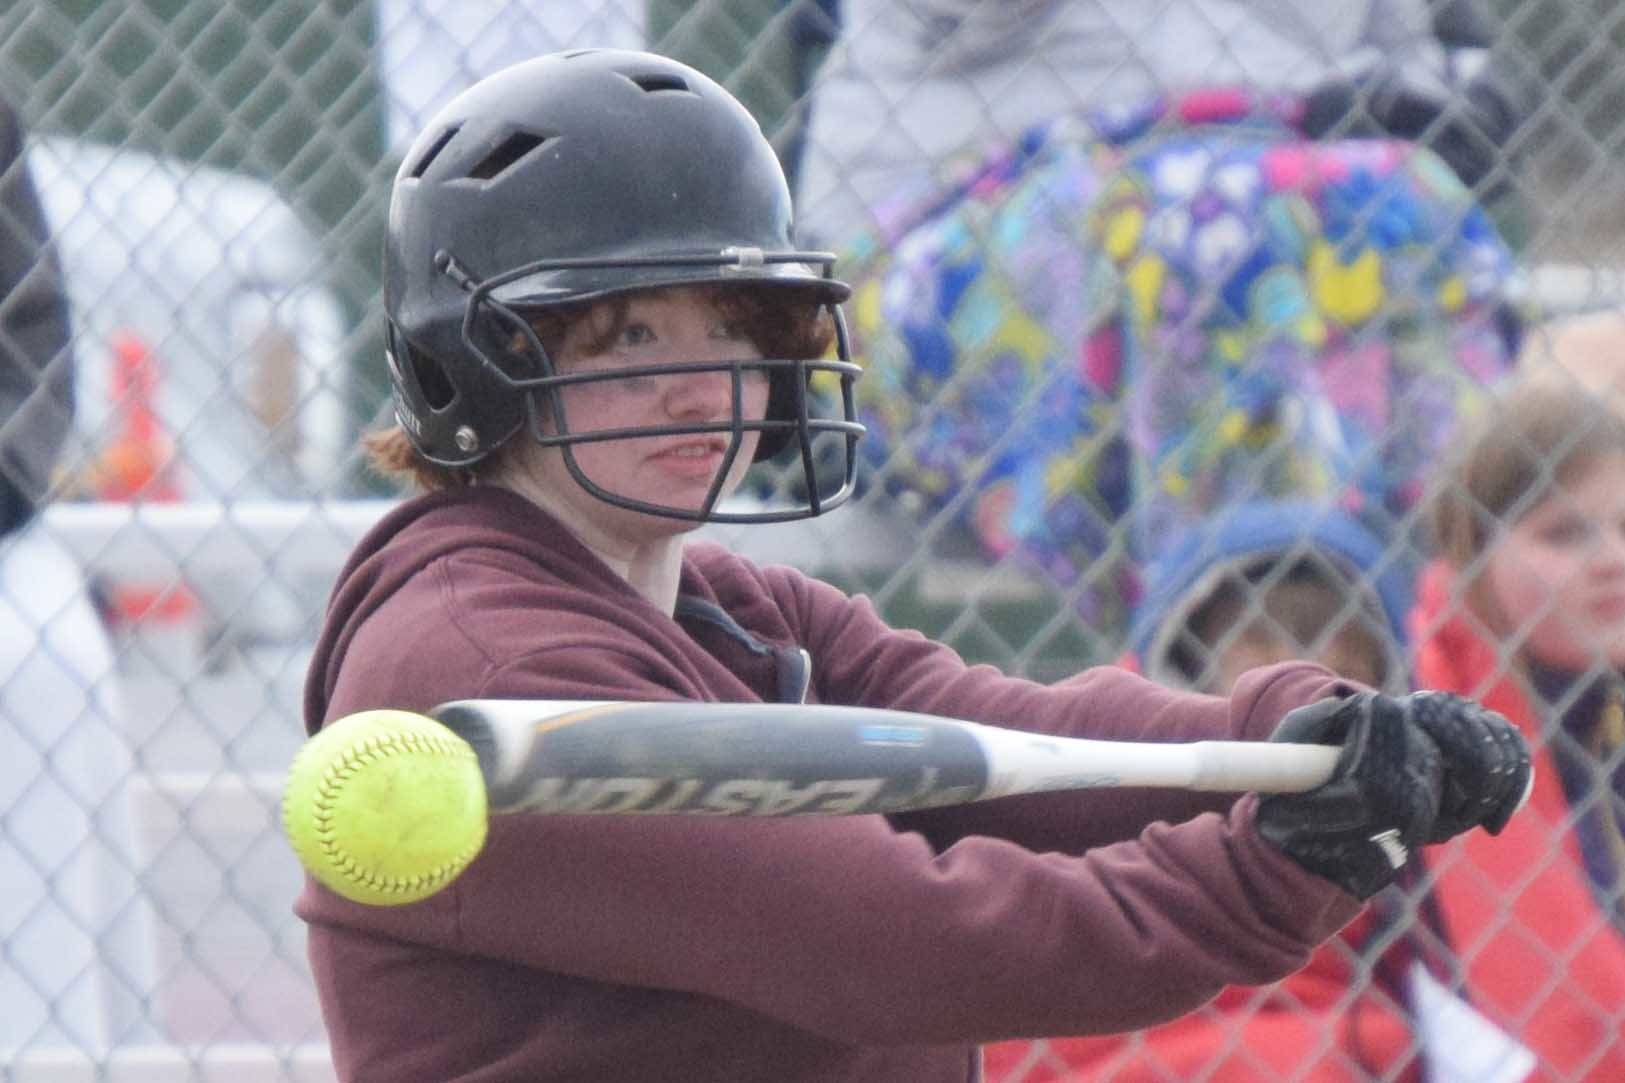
{"type": "Point", "coordinates": [858, 948]}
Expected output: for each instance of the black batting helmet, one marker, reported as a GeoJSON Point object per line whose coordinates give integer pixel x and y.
{"type": "Point", "coordinates": [573, 177]}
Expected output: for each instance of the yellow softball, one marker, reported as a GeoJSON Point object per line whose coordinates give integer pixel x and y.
{"type": "Point", "coordinates": [385, 807]}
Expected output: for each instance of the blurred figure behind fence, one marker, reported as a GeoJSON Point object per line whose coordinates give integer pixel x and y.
{"type": "Point", "coordinates": [915, 92]}
{"type": "Point", "coordinates": [76, 967]}
{"type": "Point", "coordinates": [1525, 609]}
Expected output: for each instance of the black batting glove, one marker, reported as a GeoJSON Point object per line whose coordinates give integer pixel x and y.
{"type": "Point", "coordinates": [1358, 828]}
{"type": "Point", "coordinates": [1487, 773]}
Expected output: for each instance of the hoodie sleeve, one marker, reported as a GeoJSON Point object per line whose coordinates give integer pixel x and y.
{"type": "Point", "coordinates": [853, 928]}
{"type": "Point", "coordinates": [861, 660]}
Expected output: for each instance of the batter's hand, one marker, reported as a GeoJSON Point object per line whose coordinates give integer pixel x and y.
{"type": "Point", "coordinates": [1358, 829]}
{"type": "Point", "coordinates": [1487, 773]}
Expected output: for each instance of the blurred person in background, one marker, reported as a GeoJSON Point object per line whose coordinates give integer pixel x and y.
{"type": "Point", "coordinates": [76, 946]}
{"type": "Point", "coordinates": [1097, 338]}
{"type": "Point", "coordinates": [1067, 221]}
{"type": "Point", "coordinates": [36, 379]}
{"type": "Point", "coordinates": [1525, 609]}
{"type": "Point", "coordinates": [1269, 512]}
{"type": "Point", "coordinates": [917, 92]}
{"type": "Point", "coordinates": [1475, 966]}
{"type": "Point", "coordinates": [1257, 584]}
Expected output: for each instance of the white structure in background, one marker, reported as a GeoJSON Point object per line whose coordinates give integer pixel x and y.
{"type": "Point", "coordinates": [223, 283]}
{"type": "Point", "coordinates": [431, 49]}
{"type": "Point", "coordinates": [220, 282]}
{"type": "Point", "coordinates": [1568, 289]}
{"type": "Point", "coordinates": [117, 928]}
{"type": "Point", "coordinates": [78, 944]}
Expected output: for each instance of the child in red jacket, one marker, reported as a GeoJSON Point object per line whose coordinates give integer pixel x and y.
{"type": "Point", "coordinates": [1526, 611]}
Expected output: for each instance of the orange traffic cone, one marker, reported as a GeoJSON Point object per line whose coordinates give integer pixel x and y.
{"type": "Point", "coordinates": [138, 466]}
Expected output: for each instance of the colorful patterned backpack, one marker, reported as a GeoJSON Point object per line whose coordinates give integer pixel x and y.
{"type": "Point", "coordinates": [1129, 320]}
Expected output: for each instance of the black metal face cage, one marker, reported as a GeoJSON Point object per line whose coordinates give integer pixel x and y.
{"type": "Point", "coordinates": [799, 426]}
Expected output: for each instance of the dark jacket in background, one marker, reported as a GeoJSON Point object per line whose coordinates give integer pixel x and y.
{"type": "Point", "coordinates": [36, 370]}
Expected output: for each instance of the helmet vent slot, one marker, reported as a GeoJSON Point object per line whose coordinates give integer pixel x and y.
{"type": "Point", "coordinates": [434, 151]}
{"type": "Point", "coordinates": [513, 148]}
{"type": "Point", "coordinates": [431, 379]}
{"type": "Point", "coordinates": [654, 82]}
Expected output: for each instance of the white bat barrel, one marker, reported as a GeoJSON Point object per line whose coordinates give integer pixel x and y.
{"type": "Point", "coordinates": [1028, 763]}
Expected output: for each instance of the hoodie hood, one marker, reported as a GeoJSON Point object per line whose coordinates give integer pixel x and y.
{"type": "Point", "coordinates": [1194, 562]}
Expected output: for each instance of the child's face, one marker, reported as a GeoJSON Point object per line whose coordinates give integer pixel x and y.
{"type": "Point", "coordinates": [1562, 567]}
{"type": "Point", "coordinates": [675, 326]}
{"type": "Point", "coordinates": [1348, 653]}
{"type": "Point", "coordinates": [1302, 617]}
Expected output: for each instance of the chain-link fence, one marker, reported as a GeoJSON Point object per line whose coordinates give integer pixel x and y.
{"type": "Point", "coordinates": [1123, 268]}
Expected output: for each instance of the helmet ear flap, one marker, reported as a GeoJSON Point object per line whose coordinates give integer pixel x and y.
{"type": "Point", "coordinates": [453, 418]}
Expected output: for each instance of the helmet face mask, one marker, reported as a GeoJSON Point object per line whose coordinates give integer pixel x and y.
{"type": "Point", "coordinates": [629, 173]}
{"type": "Point", "coordinates": [789, 421]}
